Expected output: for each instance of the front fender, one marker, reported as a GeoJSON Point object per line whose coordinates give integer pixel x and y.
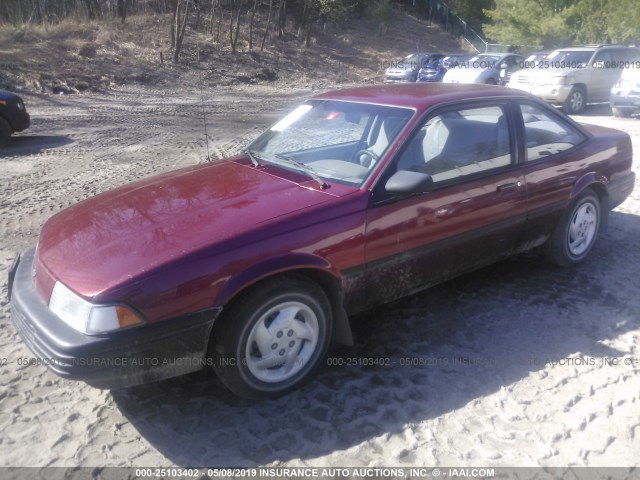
{"type": "Point", "coordinates": [292, 262]}
{"type": "Point", "coordinates": [267, 268]}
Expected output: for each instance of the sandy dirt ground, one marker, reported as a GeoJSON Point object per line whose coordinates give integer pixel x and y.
{"type": "Point", "coordinates": [519, 364]}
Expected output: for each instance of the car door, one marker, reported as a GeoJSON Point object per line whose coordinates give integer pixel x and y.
{"type": "Point", "coordinates": [549, 141]}
{"type": "Point", "coordinates": [603, 76]}
{"type": "Point", "coordinates": [472, 214]}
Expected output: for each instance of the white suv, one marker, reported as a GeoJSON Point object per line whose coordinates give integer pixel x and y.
{"type": "Point", "coordinates": [572, 77]}
{"type": "Point", "coordinates": [625, 93]}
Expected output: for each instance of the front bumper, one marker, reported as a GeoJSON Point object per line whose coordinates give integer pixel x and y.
{"type": "Point", "coordinates": [399, 79]}
{"type": "Point", "coordinates": [117, 360]}
{"type": "Point", "coordinates": [21, 121]}
{"type": "Point", "coordinates": [430, 78]}
{"type": "Point", "coordinates": [630, 101]}
{"type": "Point", "coordinates": [549, 93]}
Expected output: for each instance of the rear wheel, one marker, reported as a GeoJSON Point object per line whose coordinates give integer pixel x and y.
{"type": "Point", "coordinates": [272, 339]}
{"type": "Point", "coordinates": [576, 232]}
{"type": "Point", "coordinates": [5, 132]}
{"type": "Point", "coordinates": [576, 100]}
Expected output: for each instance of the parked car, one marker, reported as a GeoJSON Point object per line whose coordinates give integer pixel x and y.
{"type": "Point", "coordinates": [625, 93]}
{"type": "Point", "coordinates": [457, 59]}
{"type": "Point", "coordinates": [13, 116]}
{"type": "Point", "coordinates": [532, 61]}
{"type": "Point", "coordinates": [358, 197]}
{"type": "Point", "coordinates": [573, 77]}
{"type": "Point", "coordinates": [434, 71]}
{"type": "Point", "coordinates": [406, 69]}
{"type": "Point", "coordinates": [483, 68]}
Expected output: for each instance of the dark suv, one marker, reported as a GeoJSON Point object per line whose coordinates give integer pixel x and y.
{"type": "Point", "coordinates": [13, 116]}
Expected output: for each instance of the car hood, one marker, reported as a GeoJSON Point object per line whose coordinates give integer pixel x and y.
{"type": "Point", "coordinates": [101, 242]}
{"type": "Point", "coordinates": [4, 95]}
{"type": "Point", "coordinates": [542, 75]}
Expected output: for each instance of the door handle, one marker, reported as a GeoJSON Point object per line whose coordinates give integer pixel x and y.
{"type": "Point", "coordinates": [509, 187]}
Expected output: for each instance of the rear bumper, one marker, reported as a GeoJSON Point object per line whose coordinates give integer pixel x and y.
{"type": "Point", "coordinates": [620, 188]}
{"type": "Point", "coordinates": [123, 359]}
{"type": "Point", "coordinates": [392, 79]}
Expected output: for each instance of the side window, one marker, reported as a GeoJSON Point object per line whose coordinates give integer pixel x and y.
{"type": "Point", "coordinates": [511, 61]}
{"type": "Point", "coordinates": [626, 55]}
{"type": "Point", "coordinates": [459, 143]}
{"type": "Point", "coordinates": [601, 59]}
{"type": "Point", "coordinates": [546, 135]}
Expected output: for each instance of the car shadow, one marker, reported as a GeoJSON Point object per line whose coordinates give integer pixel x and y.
{"type": "Point", "coordinates": [463, 340]}
{"type": "Point", "coordinates": [33, 144]}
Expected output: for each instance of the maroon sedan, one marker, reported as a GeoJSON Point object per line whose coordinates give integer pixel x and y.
{"type": "Point", "coordinates": [252, 265]}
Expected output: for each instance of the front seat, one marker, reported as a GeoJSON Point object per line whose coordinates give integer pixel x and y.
{"type": "Point", "coordinates": [386, 133]}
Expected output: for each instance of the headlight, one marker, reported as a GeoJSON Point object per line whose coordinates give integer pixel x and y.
{"type": "Point", "coordinates": [86, 317]}
{"type": "Point", "coordinates": [20, 105]}
{"type": "Point", "coordinates": [559, 80]}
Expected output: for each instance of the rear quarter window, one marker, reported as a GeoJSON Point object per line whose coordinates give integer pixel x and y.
{"type": "Point", "coordinates": [547, 135]}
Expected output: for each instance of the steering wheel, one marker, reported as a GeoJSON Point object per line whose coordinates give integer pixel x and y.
{"type": "Point", "coordinates": [373, 156]}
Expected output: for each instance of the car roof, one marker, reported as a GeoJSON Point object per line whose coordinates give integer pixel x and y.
{"type": "Point", "coordinates": [593, 48]}
{"type": "Point", "coordinates": [419, 96]}
{"type": "Point", "coordinates": [577, 49]}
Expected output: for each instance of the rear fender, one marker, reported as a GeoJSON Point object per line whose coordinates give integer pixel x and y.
{"type": "Point", "coordinates": [597, 183]}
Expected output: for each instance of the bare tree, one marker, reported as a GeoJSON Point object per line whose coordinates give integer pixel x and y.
{"type": "Point", "coordinates": [198, 13]}
{"type": "Point", "coordinates": [122, 10]}
{"type": "Point", "coordinates": [266, 30]}
{"type": "Point", "coordinates": [234, 20]}
{"type": "Point", "coordinates": [213, 16]}
{"type": "Point", "coordinates": [253, 16]}
{"type": "Point", "coordinates": [282, 17]}
{"type": "Point", "coordinates": [181, 27]}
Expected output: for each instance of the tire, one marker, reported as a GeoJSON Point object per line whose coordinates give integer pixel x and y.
{"type": "Point", "coordinates": [576, 101]}
{"type": "Point", "coordinates": [491, 81]}
{"type": "Point", "coordinates": [577, 231]}
{"type": "Point", "coordinates": [289, 317]}
{"type": "Point", "coordinates": [5, 133]}
{"type": "Point", "coordinates": [621, 112]}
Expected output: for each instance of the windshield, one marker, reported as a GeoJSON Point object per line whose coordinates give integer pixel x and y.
{"type": "Point", "coordinates": [569, 59]}
{"type": "Point", "coordinates": [535, 57]}
{"type": "Point", "coordinates": [484, 58]}
{"type": "Point", "coordinates": [337, 141]}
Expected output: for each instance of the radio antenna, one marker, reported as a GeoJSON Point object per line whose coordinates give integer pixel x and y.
{"type": "Point", "coordinates": [204, 114]}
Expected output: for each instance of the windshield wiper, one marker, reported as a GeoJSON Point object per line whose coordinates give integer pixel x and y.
{"type": "Point", "coordinates": [252, 155]}
{"type": "Point", "coordinates": [306, 168]}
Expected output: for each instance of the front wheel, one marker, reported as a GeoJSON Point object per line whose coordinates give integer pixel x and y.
{"type": "Point", "coordinates": [576, 232]}
{"type": "Point", "coordinates": [273, 338]}
{"type": "Point", "coordinates": [575, 102]}
{"type": "Point", "coordinates": [5, 133]}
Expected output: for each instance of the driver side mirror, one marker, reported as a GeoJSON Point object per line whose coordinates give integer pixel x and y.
{"type": "Point", "coordinates": [405, 181]}
{"type": "Point", "coordinates": [504, 65]}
